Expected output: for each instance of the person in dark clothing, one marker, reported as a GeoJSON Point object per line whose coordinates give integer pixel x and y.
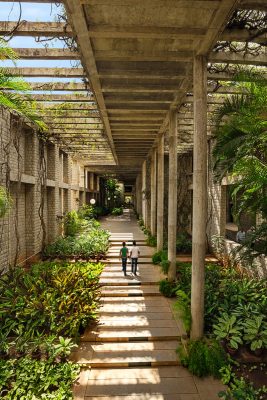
{"type": "Point", "coordinates": [124, 255]}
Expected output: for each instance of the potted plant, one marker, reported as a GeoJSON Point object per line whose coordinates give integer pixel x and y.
{"type": "Point", "coordinates": [229, 330]}
{"type": "Point", "coordinates": [255, 333]}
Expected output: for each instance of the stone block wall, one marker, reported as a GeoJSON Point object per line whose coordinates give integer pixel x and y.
{"type": "Point", "coordinates": [49, 194]}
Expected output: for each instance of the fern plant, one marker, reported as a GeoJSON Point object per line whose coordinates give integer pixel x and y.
{"type": "Point", "coordinates": [14, 90]}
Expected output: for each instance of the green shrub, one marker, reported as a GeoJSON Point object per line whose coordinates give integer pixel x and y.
{"type": "Point", "coordinates": [72, 224]}
{"type": "Point", "coordinates": [91, 245]}
{"type": "Point", "coordinates": [182, 305]}
{"type": "Point", "coordinates": [165, 265]}
{"type": "Point", "coordinates": [159, 256]}
{"type": "Point", "coordinates": [151, 241]}
{"type": "Point", "coordinates": [167, 288]}
{"type": "Point", "coordinates": [87, 211]}
{"type": "Point", "coordinates": [117, 211]}
{"type": "Point", "coordinates": [5, 201]}
{"type": "Point", "coordinates": [51, 298]}
{"type": "Point", "coordinates": [183, 243]}
{"type": "Point", "coordinates": [30, 379]}
{"type": "Point", "coordinates": [203, 358]}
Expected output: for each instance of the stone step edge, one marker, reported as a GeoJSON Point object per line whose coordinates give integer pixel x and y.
{"type": "Point", "coordinates": [110, 294]}
{"type": "Point", "coordinates": [122, 339]}
{"type": "Point", "coordinates": [132, 284]}
{"type": "Point", "coordinates": [130, 364]}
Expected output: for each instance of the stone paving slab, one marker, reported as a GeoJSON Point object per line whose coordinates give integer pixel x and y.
{"type": "Point", "coordinates": [137, 318]}
{"type": "Point", "coordinates": [148, 300]}
{"type": "Point", "coordinates": [132, 308]}
{"type": "Point", "coordinates": [147, 396]}
{"type": "Point", "coordinates": [129, 291]}
{"type": "Point", "coordinates": [161, 315]}
{"type": "Point", "coordinates": [134, 334]}
{"type": "Point", "coordinates": [126, 358]}
{"type": "Point", "coordinates": [128, 321]}
{"type": "Point", "coordinates": [129, 386]}
{"type": "Point", "coordinates": [153, 375]}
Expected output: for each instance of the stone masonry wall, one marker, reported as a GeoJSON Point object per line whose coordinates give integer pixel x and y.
{"type": "Point", "coordinates": [21, 233]}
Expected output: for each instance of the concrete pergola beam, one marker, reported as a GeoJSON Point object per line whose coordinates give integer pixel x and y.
{"type": "Point", "coordinates": [46, 54]}
{"type": "Point", "coordinates": [48, 72]}
{"type": "Point", "coordinates": [26, 28]}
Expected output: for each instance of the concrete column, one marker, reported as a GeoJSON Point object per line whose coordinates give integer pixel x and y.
{"type": "Point", "coordinates": [160, 193]}
{"type": "Point", "coordinates": [172, 199]}
{"type": "Point", "coordinates": [199, 195]}
{"type": "Point", "coordinates": [153, 208]}
{"type": "Point", "coordinates": [144, 207]}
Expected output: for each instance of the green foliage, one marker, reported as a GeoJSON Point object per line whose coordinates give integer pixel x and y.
{"type": "Point", "coordinates": [91, 245]}
{"type": "Point", "coordinates": [62, 349]}
{"type": "Point", "coordinates": [5, 201]}
{"type": "Point", "coordinates": [117, 211]}
{"type": "Point", "coordinates": [182, 305]}
{"type": "Point", "coordinates": [159, 256]}
{"type": "Point", "coordinates": [165, 265]}
{"type": "Point", "coordinates": [50, 298]}
{"type": "Point", "coordinates": [11, 84]}
{"type": "Point", "coordinates": [87, 211]}
{"type": "Point", "coordinates": [238, 388]}
{"type": "Point", "coordinates": [183, 243]}
{"type": "Point", "coordinates": [151, 241]}
{"type": "Point", "coordinates": [229, 329]}
{"type": "Point", "coordinates": [255, 332]}
{"type": "Point", "coordinates": [240, 150]}
{"type": "Point", "coordinates": [72, 223]}
{"type": "Point", "coordinates": [203, 358]}
{"type": "Point", "coordinates": [30, 379]}
{"type": "Point", "coordinates": [167, 288]}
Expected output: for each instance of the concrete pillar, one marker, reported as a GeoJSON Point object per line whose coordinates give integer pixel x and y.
{"type": "Point", "coordinates": [160, 193]}
{"type": "Point", "coordinates": [153, 208]}
{"type": "Point", "coordinates": [144, 192]}
{"type": "Point", "coordinates": [172, 199]}
{"type": "Point", "coordinates": [199, 196]}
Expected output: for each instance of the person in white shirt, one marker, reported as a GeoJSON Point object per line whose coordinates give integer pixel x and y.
{"type": "Point", "coordinates": [241, 236]}
{"type": "Point", "coordinates": [134, 253]}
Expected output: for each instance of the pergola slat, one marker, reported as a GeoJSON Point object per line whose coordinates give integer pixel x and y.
{"type": "Point", "coordinates": [27, 28]}
{"type": "Point", "coordinates": [46, 54]}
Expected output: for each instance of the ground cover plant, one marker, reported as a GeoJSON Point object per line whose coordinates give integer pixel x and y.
{"type": "Point", "coordinates": [29, 379]}
{"type": "Point", "coordinates": [235, 319]}
{"type": "Point", "coordinates": [49, 299]}
{"type": "Point", "coordinates": [117, 211]}
{"type": "Point", "coordinates": [92, 245]}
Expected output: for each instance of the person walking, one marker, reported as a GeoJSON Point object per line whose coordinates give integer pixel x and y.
{"type": "Point", "coordinates": [241, 236]}
{"type": "Point", "coordinates": [134, 254]}
{"type": "Point", "coordinates": [124, 255]}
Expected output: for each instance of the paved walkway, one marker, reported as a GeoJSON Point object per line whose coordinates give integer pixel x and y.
{"type": "Point", "coordinates": [130, 355]}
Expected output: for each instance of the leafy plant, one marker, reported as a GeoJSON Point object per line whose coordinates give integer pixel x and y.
{"type": "Point", "coordinates": [167, 288]}
{"type": "Point", "coordinates": [72, 224]}
{"type": "Point", "coordinates": [30, 379]}
{"type": "Point", "coordinates": [183, 243]}
{"type": "Point", "coordinates": [62, 349]}
{"type": "Point", "coordinates": [117, 211]}
{"type": "Point", "coordinates": [182, 305]}
{"type": "Point", "coordinates": [203, 358]}
{"type": "Point", "coordinates": [91, 245]}
{"type": "Point", "coordinates": [5, 201]}
{"type": "Point", "coordinates": [51, 298]}
{"type": "Point", "coordinates": [159, 256]}
{"type": "Point", "coordinates": [151, 241]}
{"type": "Point", "coordinates": [229, 329]}
{"type": "Point", "coordinates": [165, 265]}
{"type": "Point", "coordinates": [255, 332]}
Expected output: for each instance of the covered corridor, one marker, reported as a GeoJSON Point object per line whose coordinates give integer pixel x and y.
{"type": "Point", "coordinates": [111, 103]}
{"type": "Point", "coordinates": [131, 353]}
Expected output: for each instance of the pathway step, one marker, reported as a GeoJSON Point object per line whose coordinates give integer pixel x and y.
{"type": "Point", "coordinates": [129, 281]}
{"type": "Point", "coordinates": [141, 384]}
{"type": "Point", "coordinates": [166, 314]}
{"type": "Point", "coordinates": [128, 321]}
{"type": "Point", "coordinates": [147, 301]}
{"type": "Point", "coordinates": [131, 335]}
{"type": "Point", "coordinates": [126, 354]}
{"type": "Point", "coordinates": [117, 260]}
{"type": "Point", "coordinates": [119, 308]}
{"type": "Point", "coordinates": [129, 291]}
